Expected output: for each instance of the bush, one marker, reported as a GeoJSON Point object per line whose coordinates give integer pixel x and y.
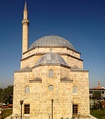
{"type": "Point", "coordinates": [97, 105]}
{"type": "Point", "coordinates": [6, 113]}
{"type": "Point", "coordinates": [100, 114]}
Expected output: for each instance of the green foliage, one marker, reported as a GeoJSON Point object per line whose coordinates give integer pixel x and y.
{"type": "Point", "coordinates": [6, 113]}
{"type": "Point", "coordinates": [100, 114]}
{"type": "Point", "coordinates": [1, 90]}
{"type": "Point", "coordinates": [96, 95]}
{"type": "Point", "coordinates": [6, 94]}
{"type": "Point", "coordinates": [97, 105]}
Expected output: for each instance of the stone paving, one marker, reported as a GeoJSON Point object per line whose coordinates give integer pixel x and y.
{"type": "Point", "coordinates": [9, 117]}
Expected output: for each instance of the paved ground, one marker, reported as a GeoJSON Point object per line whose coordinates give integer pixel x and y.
{"type": "Point", "coordinates": [9, 117]}
{"type": "Point", "coordinates": [93, 117]}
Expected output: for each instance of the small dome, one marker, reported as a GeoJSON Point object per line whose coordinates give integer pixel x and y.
{"type": "Point", "coordinates": [51, 59]}
{"type": "Point", "coordinates": [52, 41]}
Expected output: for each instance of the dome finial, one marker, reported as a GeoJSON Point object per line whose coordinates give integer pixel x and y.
{"type": "Point", "coordinates": [25, 6]}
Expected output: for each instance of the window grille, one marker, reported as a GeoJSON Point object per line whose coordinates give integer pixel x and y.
{"type": "Point", "coordinates": [75, 108]}
{"type": "Point", "coordinates": [27, 109]}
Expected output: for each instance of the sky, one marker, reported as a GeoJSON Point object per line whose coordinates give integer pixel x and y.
{"type": "Point", "coordinates": [81, 22]}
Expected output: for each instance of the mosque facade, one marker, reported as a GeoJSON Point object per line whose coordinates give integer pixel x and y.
{"type": "Point", "coordinates": [51, 82]}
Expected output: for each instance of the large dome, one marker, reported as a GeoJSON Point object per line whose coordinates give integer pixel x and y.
{"type": "Point", "coordinates": [52, 41]}
{"type": "Point", "coordinates": [51, 59]}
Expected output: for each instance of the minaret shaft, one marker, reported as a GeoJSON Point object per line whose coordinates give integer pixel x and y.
{"type": "Point", "coordinates": [25, 14]}
{"type": "Point", "coordinates": [25, 34]}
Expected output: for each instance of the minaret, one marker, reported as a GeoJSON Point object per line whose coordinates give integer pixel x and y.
{"type": "Point", "coordinates": [98, 84]}
{"type": "Point", "coordinates": [25, 24]}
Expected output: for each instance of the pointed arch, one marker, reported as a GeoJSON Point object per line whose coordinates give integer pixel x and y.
{"type": "Point", "coordinates": [74, 89]}
{"type": "Point", "coordinates": [27, 90]}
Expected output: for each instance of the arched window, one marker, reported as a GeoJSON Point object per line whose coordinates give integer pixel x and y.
{"type": "Point", "coordinates": [51, 73]}
{"type": "Point", "coordinates": [74, 89]}
{"type": "Point", "coordinates": [27, 90]}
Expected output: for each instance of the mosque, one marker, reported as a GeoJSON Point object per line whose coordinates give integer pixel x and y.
{"type": "Point", "coordinates": [51, 82]}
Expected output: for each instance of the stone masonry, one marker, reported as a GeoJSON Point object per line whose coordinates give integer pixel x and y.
{"type": "Point", "coordinates": [51, 79]}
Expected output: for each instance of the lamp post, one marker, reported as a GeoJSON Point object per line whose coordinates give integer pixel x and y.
{"type": "Point", "coordinates": [21, 102]}
{"type": "Point", "coordinates": [52, 107]}
{"type": "Point", "coordinates": [49, 115]}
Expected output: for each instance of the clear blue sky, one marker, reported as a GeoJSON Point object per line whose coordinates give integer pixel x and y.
{"type": "Point", "coordinates": [82, 22]}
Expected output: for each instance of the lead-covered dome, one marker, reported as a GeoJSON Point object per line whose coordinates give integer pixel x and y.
{"type": "Point", "coordinates": [56, 41]}
{"type": "Point", "coordinates": [51, 59]}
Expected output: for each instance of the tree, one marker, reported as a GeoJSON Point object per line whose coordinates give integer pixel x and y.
{"type": "Point", "coordinates": [97, 105]}
{"type": "Point", "coordinates": [0, 94]}
{"type": "Point", "coordinates": [6, 95]}
{"type": "Point", "coordinates": [96, 95]}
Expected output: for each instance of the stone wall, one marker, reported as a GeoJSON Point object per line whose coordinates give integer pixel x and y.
{"type": "Point", "coordinates": [40, 95]}
{"type": "Point", "coordinates": [58, 50]}
{"type": "Point", "coordinates": [80, 80]}
{"type": "Point", "coordinates": [63, 81]}
{"type": "Point", "coordinates": [31, 57]}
